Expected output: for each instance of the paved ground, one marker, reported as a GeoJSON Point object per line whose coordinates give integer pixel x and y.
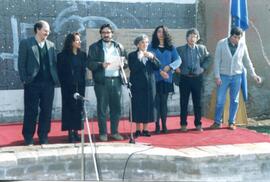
{"type": "Point", "coordinates": [262, 126]}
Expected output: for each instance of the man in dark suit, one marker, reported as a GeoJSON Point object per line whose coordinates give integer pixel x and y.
{"type": "Point", "coordinates": [195, 61]}
{"type": "Point", "coordinates": [37, 70]}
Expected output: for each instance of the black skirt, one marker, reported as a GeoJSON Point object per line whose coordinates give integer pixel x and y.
{"type": "Point", "coordinates": [163, 87]}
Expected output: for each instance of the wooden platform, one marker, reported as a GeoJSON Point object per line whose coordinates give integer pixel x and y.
{"type": "Point", "coordinates": [241, 117]}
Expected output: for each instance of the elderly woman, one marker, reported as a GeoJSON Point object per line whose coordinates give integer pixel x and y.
{"type": "Point", "coordinates": [142, 65]}
{"type": "Point", "coordinates": [71, 72]}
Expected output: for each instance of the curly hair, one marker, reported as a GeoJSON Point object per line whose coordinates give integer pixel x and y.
{"type": "Point", "coordinates": [167, 38]}
{"type": "Point", "coordinates": [69, 40]}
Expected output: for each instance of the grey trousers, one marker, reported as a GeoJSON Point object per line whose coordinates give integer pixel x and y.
{"type": "Point", "coordinates": [108, 94]}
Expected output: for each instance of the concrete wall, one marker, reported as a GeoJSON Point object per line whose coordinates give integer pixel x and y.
{"type": "Point", "coordinates": [18, 17]}
{"type": "Point", "coordinates": [135, 162]}
{"type": "Point", "coordinates": [216, 27]}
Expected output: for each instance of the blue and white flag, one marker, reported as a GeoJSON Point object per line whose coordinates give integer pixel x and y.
{"type": "Point", "coordinates": [239, 15]}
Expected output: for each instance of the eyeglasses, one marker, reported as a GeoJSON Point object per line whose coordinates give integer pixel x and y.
{"type": "Point", "coordinates": [106, 32]}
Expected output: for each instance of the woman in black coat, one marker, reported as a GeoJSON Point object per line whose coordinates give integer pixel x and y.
{"type": "Point", "coordinates": [143, 86]}
{"type": "Point", "coordinates": [71, 71]}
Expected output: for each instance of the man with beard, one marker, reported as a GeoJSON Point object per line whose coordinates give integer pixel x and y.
{"type": "Point", "coordinates": [105, 58]}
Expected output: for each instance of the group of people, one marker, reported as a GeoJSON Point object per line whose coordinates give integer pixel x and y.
{"type": "Point", "coordinates": [151, 66]}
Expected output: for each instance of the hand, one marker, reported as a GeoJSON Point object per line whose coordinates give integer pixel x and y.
{"type": "Point", "coordinates": [123, 60]}
{"type": "Point", "coordinates": [218, 81]}
{"type": "Point", "coordinates": [164, 75]}
{"type": "Point", "coordinates": [258, 79]}
{"type": "Point", "coordinates": [148, 54]}
{"type": "Point", "coordinates": [177, 70]}
{"type": "Point", "coordinates": [167, 68]}
{"type": "Point", "coordinates": [202, 70]}
{"type": "Point", "coordinates": [105, 65]}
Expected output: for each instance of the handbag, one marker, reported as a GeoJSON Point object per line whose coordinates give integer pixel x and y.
{"type": "Point", "coordinates": [176, 78]}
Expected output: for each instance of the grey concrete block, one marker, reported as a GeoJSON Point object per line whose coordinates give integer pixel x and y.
{"type": "Point", "coordinates": [8, 159]}
{"type": "Point", "coordinates": [113, 164]}
{"type": "Point", "coordinates": [74, 164]}
{"type": "Point", "coordinates": [2, 173]}
{"type": "Point", "coordinates": [35, 169]}
{"type": "Point", "coordinates": [57, 167]}
{"type": "Point", "coordinates": [15, 172]}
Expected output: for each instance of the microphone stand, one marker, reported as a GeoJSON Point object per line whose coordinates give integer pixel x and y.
{"type": "Point", "coordinates": [85, 118]}
{"type": "Point", "coordinates": [128, 86]}
{"type": "Point", "coordinates": [131, 139]}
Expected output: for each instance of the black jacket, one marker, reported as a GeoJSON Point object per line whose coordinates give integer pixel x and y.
{"type": "Point", "coordinates": [29, 63]}
{"type": "Point", "coordinates": [95, 60]}
{"type": "Point", "coordinates": [71, 108]}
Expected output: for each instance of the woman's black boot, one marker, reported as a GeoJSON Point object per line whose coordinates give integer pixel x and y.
{"type": "Point", "coordinates": [71, 138]}
{"type": "Point", "coordinates": [157, 131]}
{"type": "Point", "coordinates": [76, 136]}
{"type": "Point", "coordinates": [146, 133]}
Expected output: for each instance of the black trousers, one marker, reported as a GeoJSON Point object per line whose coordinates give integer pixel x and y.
{"type": "Point", "coordinates": [191, 85]}
{"type": "Point", "coordinates": [38, 96]}
{"type": "Point", "coordinates": [161, 107]}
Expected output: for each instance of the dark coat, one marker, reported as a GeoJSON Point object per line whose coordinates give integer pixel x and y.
{"type": "Point", "coordinates": [96, 59]}
{"type": "Point", "coordinates": [143, 88]}
{"type": "Point", "coordinates": [29, 63]}
{"type": "Point", "coordinates": [203, 55]}
{"type": "Point", "coordinates": [71, 108]}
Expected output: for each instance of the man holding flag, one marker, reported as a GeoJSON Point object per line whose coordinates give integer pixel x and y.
{"type": "Point", "coordinates": [230, 56]}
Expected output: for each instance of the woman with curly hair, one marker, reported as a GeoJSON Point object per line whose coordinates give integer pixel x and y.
{"type": "Point", "coordinates": [166, 53]}
{"type": "Point", "coordinates": [71, 64]}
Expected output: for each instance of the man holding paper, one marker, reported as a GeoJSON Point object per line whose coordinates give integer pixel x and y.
{"type": "Point", "coordinates": [105, 59]}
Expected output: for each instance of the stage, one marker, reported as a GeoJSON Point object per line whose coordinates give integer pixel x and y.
{"type": "Point", "coordinates": [211, 155]}
{"type": "Point", "coordinates": [10, 134]}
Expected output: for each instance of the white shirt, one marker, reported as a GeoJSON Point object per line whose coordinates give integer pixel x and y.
{"type": "Point", "coordinates": [111, 55]}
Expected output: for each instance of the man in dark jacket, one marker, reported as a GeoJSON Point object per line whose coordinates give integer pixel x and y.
{"type": "Point", "coordinates": [105, 58]}
{"type": "Point", "coordinates": [37, 70]}
{"type": "Point", "coordinates": [195, 61]}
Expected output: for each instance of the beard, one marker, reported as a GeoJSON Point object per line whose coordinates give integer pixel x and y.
{"type": "Point", "coordinates": [106, 39]}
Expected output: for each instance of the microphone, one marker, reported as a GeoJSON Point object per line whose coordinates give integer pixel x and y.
{"type": "Point", "coordinates": [122, 72]}
{"type": "Point", "coordinates": [77, 96]}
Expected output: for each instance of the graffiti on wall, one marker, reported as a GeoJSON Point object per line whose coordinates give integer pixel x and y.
{"type": "Point", "coordinates": [20, 30]}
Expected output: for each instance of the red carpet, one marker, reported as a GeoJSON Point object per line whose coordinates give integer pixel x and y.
{"type": "Point", "coordinates": [10, 135]}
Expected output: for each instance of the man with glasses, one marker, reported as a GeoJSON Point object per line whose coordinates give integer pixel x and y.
{"type": "Point", "coordinates": [195, 61]}
{"type": "Point", "coordinates": [37, 70]}
{"type": "Point", "coordinates": [105, 58]}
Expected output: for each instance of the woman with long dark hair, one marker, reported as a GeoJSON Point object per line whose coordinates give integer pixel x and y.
{"type": "Point", "coordinates": [164, 50]}
{"type": "Point", "coordinates": [71, 66]}
{"type": "Point", "coordinates": [143, 87]}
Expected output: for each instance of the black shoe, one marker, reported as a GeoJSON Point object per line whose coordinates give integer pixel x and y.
{"type": "Point", "coordinates": [146, 133]}
{"type": "Point", "coordinates": [164, 129]}
{"type": "Point", "coordinates": [28, 141]}
{"type": "Point", "coordinates": [71, 137]}
{"type": "Point", "coordinates": [76, 136]}
{"type": "Point", "coordinates": [137, 133]}
{"type": "Point", "coordinates": [157, 131]}
{"type": "Point", "coordinates": [43, 141]}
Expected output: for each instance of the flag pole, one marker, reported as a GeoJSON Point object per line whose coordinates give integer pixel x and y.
{"type": "Point", "coordinates": [230, 18]}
